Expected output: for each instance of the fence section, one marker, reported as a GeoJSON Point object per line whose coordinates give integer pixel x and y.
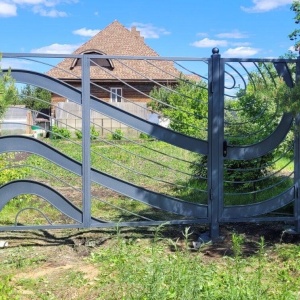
{"type": "Point", "coordinates": [227, 151]}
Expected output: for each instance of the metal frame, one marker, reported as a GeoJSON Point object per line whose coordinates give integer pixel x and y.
{"type": "Point", "coordinates": [214, 213]}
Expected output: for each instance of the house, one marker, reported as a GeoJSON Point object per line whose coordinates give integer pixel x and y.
{"type": "Point", "coordinates": [117, 80]}
{"type": "Point", "coordinates": [123, 82]}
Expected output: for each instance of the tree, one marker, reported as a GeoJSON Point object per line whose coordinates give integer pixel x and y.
{"type": "Point", "coordinates": [35, 98]}
{"type": "Point", "coordinates": [185, 105]}
{"type": "Point", "coordinates": [8, 91]}
{"type": "Point", "coordinates": [295, 34]}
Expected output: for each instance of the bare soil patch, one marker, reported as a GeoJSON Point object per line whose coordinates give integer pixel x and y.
{"type": "Point", "coordinates": [60, 254]}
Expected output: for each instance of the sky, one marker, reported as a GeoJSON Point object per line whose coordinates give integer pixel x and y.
{"type": "Point", "coordinates": [173, 28]}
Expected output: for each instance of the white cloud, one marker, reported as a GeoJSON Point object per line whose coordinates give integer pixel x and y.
{"type": "Point", "coordinates": [29, 2]}
{"type": "Point", "coordinates": [45, 8]}
{"type": "Point", "coordinates": [56, 49]}
{"type": "Point", "coordinates": [7, 10]}
{"type": "Point", "coordinates": [240, 52]}
{"type": "Point", "coordinates": [148, 31]}
{"type": "Point", "coordinates": [235, 34]}
{"type": "Point", "coordinates": [86, 32]}
{"type": "Point", "coordinates": [52, 13]}
{"type": "Point", "coordinates": [7, 63]}
{"type": "Point", "coordinates": [260, 6]}
{"type": "Point", "coordinates": [208, 43]}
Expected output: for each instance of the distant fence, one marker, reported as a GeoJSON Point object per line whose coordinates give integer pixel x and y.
{"type": "Point", "coordinates": [69, 115]}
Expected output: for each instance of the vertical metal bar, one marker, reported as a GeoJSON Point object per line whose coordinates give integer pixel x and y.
{"type": "Point", "coordinates": [86, 141]}
{"type": "Point", "coordinates": [297, 159]}
{"type": "Point", "coordinates": [215, 141]}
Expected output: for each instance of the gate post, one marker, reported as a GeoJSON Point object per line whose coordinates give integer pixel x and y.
{"type": "Point", "coordinates": [297, 159]}
{"type": "Point", "coordinates": [215, 140]}
{"type": "Point", "coordinates": [86, 141]}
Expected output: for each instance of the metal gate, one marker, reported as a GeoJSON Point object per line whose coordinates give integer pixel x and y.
{"type": "Point", "coordinates": [246, 153]}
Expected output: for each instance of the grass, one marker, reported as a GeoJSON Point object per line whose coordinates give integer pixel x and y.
{"type": "Point", "coordinates": [151, 264]}
{"type": "Point", "coordinates": [182, 274]}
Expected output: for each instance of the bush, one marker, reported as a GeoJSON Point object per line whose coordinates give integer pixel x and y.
{"type": "Point", "coordinates": [117, 135]}
{"type": "Point", "coordinates": [60, 133]}
{"type": "Point", "coordinates": [144, 136]}
{"type": "Point", "coordinates": [78, 134]}
{"type": "Point", "coordinates": [93, 133]}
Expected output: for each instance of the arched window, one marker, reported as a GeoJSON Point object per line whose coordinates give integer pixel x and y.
{"type": "Point", "coordinates": [103, 62]}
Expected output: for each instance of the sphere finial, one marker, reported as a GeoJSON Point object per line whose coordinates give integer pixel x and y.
{"type": "Point", "coordinates": [215, 50]}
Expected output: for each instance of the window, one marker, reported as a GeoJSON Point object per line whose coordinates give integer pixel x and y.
{"type": "Point", "coordinates": [98, 61]}
{"type": "Point", "coordinates": [115, 95]}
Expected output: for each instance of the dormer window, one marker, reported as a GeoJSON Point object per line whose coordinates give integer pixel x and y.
{"type": "Point", "coordinates": [102, 62]}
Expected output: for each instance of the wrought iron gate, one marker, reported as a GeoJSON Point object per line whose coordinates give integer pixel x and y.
{"type": "Point", "coordinates": [225, 147]}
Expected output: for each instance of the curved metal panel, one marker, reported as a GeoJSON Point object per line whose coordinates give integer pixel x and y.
{"type": "Point", "coordinates": [260, 208]}
{"type": "Point", "coordinates": [48, 83]}
{"type": "Point", "coordinates": [27, 144]}
{"type": "Point", "coordinates": [159, 132]}
{"type": "Point", "coordinates": [153, 199]}
{"type": "Point", "coordinates": [18, 187]}
{"type": "Point", "coordinates": [265, 146]}
{"type": "Point", "coordinates": [173, 205]}
{"type": "Point", "coordinates": [65, 90]}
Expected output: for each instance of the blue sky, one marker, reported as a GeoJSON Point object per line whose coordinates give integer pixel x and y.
{"type": "Point", "coordinates": [181, 28]}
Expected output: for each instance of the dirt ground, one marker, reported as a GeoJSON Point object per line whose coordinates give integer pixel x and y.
{"type": "Point", "coordinates": [78, 243]}
{"type": "Point", "coordinates": [60, 252]}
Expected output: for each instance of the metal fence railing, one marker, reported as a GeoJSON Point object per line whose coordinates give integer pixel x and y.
{"type": "Point", "coordinates": [227, 152]}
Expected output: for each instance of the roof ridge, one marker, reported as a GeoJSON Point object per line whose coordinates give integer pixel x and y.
{"type": "Point", "coordinates": [117, 40]}
{"type": "Point", "coordinates": [93, 37]}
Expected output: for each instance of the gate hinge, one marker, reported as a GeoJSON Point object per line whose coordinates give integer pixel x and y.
{"type": "Point", "coordinates": [297, 193]}
{"type": "Point", "coordinates": [211, 194]}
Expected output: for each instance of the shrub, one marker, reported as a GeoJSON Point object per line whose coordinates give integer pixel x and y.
{"type": "Point", "coordinates": [117, 135]}
{"type": "Point", "coordinates": [78, 134]}
{"type": "Point", "coordinates": [144, 136]}
{"type": "Point", "coordinates": [93, 133]}
{"type": "Point", "coordinates": [60, 133]}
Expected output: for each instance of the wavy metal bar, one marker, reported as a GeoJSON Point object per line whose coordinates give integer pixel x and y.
{"type": "Point", "coordinates": [18, 187]}
{"type": "Point", "coordinates": [67, 91]}
{"type": "Point", "coordinates": [170, 204]}
{"type": "Point", "coordinates": [265, 146]}
{"type": "Point", "coordinates": [153, 199]}
{"type": "Point", "coordinates": [260, 208]}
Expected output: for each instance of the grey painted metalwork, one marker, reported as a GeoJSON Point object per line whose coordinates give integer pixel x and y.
{"type": "Point", "coordinates": [216, 149]}
{"type": "Point", "coordinates": [27, 144]}
{"type": "Point", "coordinates": [70, 92]}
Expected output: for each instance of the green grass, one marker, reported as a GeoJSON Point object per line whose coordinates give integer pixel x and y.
{"type": "Point", "coordinates": [155, 263]}
{"type": "Point", "coordinates": [130, 270]}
